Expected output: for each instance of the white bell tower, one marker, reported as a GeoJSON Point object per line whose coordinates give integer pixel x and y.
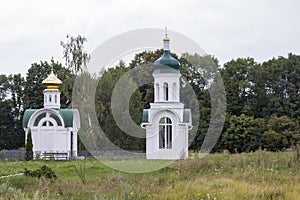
{"type": "Point", "coordinates": [166, 76]}
{"type": "Point", "coordinates": [167, 122]}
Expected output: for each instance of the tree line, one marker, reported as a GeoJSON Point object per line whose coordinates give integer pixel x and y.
{"type": "Point", "coordinates": [263, 99]}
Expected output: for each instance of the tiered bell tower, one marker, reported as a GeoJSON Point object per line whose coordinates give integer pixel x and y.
{"type": "Point", "coordinates": [166, 76]}
{"type": "Point", "coordinates": [167, 122]}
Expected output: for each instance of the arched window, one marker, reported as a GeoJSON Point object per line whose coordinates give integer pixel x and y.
{"type": "Point", "coordinates": [166, 92]}
{"type": "Point", "coordinates": [157, 91]}
{"type": "Point", "coordinates": [38, 119]}
{"type": "Point", "coordinates": [50, 98]}
{"type": "Point", "coordinates": [55, 99]}
{"type": "Point", "coordinates": [165, 133]}
{"type": "Point", "coordinates": [47, 118]}
{"type": "Point", "coordinates": [174, 92]}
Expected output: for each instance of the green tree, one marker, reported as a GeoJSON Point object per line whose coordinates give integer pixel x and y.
{"type": "Point", "coordinates": [16, 88]}
{"type": "Point", "coordinates": [143, 62]}
{"type": "Point", "coordinates": [282, 133]}
{"type": "Point", "coordinates": [201, 74]}
{"type": "Point", "coordinates": [258, 96]}
{"type": "Point", "coordinates": [104, 111]}
{"type": "Point", "coordinates": [28, 147]}
{"type": "Point", "coordinates": [242, 134]}
{"type": "Point", "coordinates": [73, 52]}
{"type": "Point", "coordinates": [6, 117]}
{"type": "Point", "coordinates": [237, 81]}
{"type": "Point", "coordinates": [282, 85]}
{"type": "Point", "coordinates": [33, 89]}
{"type": "Point", "coordinates": [11, 133]}
{"type": "Point", "coordinates": [76, 60]}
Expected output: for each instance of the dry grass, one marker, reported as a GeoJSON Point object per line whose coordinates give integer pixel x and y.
{"type": "Point", "coordinates": [259, 175]}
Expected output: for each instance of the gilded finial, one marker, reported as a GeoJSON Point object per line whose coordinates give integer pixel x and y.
{"type": "Point", "coordinates": [166, 35]}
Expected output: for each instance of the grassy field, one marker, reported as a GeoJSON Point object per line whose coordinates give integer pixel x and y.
{"type": "Point", "coordinates": [258, 175]}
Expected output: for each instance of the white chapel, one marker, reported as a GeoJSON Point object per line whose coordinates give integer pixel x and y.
{"type": "Point", "coordinates": [54, 130]}
{"type": "Point", "coordinates": [167, 122]}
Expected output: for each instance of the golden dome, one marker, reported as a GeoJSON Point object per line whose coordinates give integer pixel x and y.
{"type": "Point", "coordinates": [52, 82]}
{"type": "Point", "coordinates": [52, 79]}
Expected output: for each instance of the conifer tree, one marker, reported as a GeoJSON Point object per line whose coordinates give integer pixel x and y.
{"type": "Point", "coordinates": [28, 147]}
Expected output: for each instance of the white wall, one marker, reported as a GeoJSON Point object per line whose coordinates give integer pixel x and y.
{"type": "Point", "coordinates": [51, 140]}
{"type": "Point", "coordinates": [179, 148]}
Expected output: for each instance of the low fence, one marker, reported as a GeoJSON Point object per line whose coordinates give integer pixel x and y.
{"type": "Point", "coordinates": [12, 154]}
{"type": "Point", "coordinates": [113, 154]}
{"type": "Point", "coordinates": [106, 154]}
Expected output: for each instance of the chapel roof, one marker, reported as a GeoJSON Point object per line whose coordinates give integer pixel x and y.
{"type": "Point", "coordinates": [66, 114]}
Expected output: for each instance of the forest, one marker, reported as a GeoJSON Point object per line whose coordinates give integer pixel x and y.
{"type": "Point", "coordinates": [262, 100]}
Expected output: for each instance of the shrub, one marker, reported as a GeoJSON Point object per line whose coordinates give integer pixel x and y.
{"type": "Point", "coordinates": [43, 171]}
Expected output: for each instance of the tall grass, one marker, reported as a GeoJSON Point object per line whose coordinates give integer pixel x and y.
{"type": "Point", "coordinates": [258, 175]}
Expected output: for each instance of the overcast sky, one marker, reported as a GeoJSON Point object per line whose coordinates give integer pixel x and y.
{"type": "Point", "coordinates": [31, 30]}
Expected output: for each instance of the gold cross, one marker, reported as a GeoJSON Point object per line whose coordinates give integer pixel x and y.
{"type": "Point", "coordinates": [166, 31]}
{"type": "Point", "coordinates": [52, 63]}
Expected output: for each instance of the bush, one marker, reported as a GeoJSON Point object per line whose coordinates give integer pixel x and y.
{"type": "Point", "coordinates": [43, 171]}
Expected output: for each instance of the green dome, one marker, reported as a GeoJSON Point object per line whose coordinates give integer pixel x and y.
{"type": "Point", "coordinates": [166, 64]}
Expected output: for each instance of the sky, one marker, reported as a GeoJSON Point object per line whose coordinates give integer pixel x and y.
{"type": "Point", "coordinates": [31, 30]}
